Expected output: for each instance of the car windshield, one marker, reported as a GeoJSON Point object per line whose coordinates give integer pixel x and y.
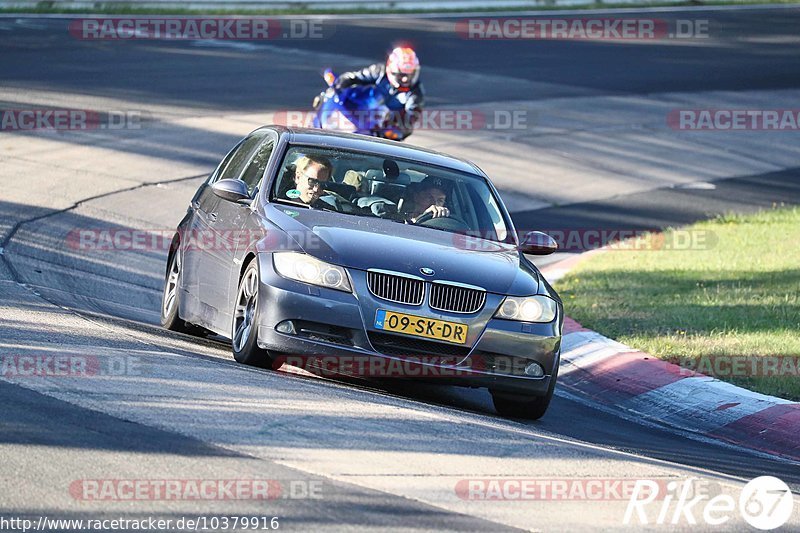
{"type": "Point", "coordinates": [408, 192]}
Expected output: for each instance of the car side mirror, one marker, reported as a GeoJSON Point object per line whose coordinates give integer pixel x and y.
{"type": "Point", "coordinates": [232, 190]}
{"type": "Point", "coordinates": [538, 243]}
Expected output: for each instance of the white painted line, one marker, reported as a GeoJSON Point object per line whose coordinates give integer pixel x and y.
{"type": "Point", "coordinates": [28, 24]}
{"type": "Point", "coordinates": [588, 348]}
{"type": "Point", "coordinates": [215, 43]}
{"type": "Point", "coordinates": [573, 343]}
{"type": "Point", "coordinates": [698, 185]}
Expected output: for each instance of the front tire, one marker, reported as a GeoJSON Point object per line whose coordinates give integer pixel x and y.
{"type": "Point", "coordinates": [244, 337]}
{"type": "Point", "coordinates": [170, 299]}
{"type": "Point", "coordinates": [529, 408]}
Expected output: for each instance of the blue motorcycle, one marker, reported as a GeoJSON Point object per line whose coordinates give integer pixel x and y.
{"type": "Point", "coordinates": [356, 109]}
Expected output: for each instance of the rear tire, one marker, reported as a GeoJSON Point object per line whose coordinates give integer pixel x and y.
{"type": "Point", "coordinates": [529, 408]}
{"type": "Point", "coordinates": [244, 331]}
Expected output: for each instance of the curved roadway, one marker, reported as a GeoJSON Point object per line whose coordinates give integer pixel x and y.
{"type": "Point", "coordinates": [595, 143]}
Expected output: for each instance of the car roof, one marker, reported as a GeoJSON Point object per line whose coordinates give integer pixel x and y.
{"type": "Point", "coordinates": [374, 145]}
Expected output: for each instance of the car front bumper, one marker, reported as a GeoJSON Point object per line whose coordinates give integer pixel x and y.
{"type": "Point", "coordinates": [332, 331]}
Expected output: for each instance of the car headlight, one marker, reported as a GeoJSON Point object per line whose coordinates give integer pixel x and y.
{"type": "Point", "coordinates": [527, 309]}
{"type": "Point", "coordinates": [305, 268]}
{"type": "Point", "coordinates": [338, 122]}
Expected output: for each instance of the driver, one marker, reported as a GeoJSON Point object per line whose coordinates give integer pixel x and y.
{"type": "Point", "coordinates": [430, 197]}
{"type": "Point", "coordinates": [311, 172]}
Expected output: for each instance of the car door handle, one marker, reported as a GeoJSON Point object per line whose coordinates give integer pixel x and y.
{"type": "Point", "coordinates": [212, 217]}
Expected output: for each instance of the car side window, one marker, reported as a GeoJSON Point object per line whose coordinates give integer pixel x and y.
{"type": "Point", "coordinates": [255, 170]}
{"type": "Point", "coordinates": [241, 156]}
{"type": "Point", "coordinates": [224, 164]}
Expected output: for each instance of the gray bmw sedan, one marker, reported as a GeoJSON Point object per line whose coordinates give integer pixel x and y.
{"type": "Point", "coordinates": [344, 253]}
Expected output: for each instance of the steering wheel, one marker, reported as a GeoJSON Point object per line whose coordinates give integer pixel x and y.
{"type": "Point", "coordinates": [449, 222]}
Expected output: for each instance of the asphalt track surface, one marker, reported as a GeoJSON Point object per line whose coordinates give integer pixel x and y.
{"type": "Point", "coordinates": [750, 50]}
{"type": "Point", "coordinates": [46, 436]}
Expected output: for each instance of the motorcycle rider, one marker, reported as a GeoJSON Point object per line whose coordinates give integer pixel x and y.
{"type": "Point", "coordinates": [398, 78]}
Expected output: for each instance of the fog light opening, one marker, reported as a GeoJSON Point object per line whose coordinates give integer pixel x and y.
{"type": "Point", "coordinates": [287, 326]}
{"type": "Point", "coordinates": [534, 370]}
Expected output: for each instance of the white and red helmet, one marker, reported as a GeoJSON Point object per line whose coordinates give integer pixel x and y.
{"type": "Point", "coordinates": [402, 67]}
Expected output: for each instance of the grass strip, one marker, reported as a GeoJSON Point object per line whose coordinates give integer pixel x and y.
{"type": "Point", "coordinates": [720, 296]}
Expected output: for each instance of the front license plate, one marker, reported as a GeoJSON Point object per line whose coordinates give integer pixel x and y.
{"type": "Point", "coordinates": [419, 326]}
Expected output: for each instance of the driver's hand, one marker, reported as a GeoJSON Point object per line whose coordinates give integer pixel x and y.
{"type": "Point", "coordinates": [437, 211]}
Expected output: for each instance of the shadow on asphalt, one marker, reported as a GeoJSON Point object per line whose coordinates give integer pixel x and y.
{"type": "Point", "coordinates": [135, 281]}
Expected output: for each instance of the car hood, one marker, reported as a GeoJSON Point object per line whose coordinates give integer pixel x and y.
{"type": "Point", "coordinates": [365, 242]}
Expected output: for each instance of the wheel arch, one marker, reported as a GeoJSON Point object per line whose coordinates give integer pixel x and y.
{"type": "Point", "coordinates": [249, 256]}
